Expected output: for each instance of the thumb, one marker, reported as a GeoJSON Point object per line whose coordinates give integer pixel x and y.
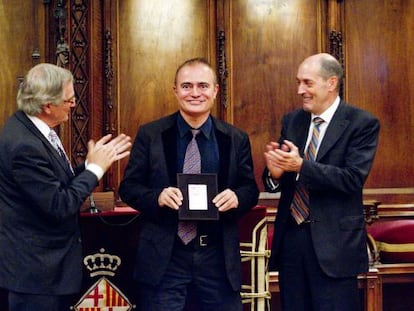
{"type": "Point", "coordinates": [91, 144]}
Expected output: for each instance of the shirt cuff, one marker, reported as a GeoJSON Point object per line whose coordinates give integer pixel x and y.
{"type": "Point", "coordinates": [95, 169]}
{"type": "Point", "coordinates": [272, 183]}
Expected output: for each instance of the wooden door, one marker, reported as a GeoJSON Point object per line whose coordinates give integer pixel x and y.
{"type": "Point", "coordinates": [379, 74]}
{"type": "Point", "coordinates": [154, 38]}
{"type": "Point", "coordinates": [22, 38]}
{"type": "Point", "coordinates": [265, 43]}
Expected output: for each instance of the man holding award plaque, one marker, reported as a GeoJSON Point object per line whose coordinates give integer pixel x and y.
{"type": "Point", "coordinates": [191, 177]}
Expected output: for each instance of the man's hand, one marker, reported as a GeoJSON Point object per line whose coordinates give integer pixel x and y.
{"type": "Point", "coordinates": [226, 200]}
{"type": "Point", "coordinates": [171, 197]}
{"type": "Point", "coordinates": [283, 159]}
{"type": "Point", "coordinates": [106, 151]}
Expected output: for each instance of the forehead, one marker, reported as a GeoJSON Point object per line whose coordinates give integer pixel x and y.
{"type": "Point", "coordinates": [195, 73]}
{"type": "Point", "coordinates": [308, 70]}
{"type": "Point", "coordinates": [68, 88]}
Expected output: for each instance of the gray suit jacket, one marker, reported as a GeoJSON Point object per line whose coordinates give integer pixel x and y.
{"type": "Point", "coordinates": [152, 167]}
{"type": "Point", "coordinates": [40, 243]}
{"type": "Point", "coordinates": [335, 182]}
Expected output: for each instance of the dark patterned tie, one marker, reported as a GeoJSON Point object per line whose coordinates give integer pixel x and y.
{"type": "Point", "coordinates": [187, 230]}
{"type": "Point", "coordinates": [300, 202]}
{"type": "Point", "coordinates": [57, 144]}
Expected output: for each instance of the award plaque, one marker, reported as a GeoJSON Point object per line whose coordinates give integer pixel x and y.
{"type": "Point", "coordinates": [198, 192]}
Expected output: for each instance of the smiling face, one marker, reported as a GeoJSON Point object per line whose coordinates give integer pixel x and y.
{"type": "Point", "coordinates": [196, 90]}
{"type": "Point", "coordinates": [318, 93]}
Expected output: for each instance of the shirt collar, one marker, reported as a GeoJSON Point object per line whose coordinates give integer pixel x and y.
{"type": "Point", "coordinates": [40, 125]}
{"type": "Point", "coordinates": [327, 115]}
{"type": "Point", "coordinates": [184, 127]}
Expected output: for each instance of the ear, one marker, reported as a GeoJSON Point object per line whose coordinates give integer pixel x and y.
{"type": "Point", "coordinates": [47, 108]}
{"type": "Point", "coordinates": [216, 89]}
{"type": "Point", "coordinates": [333, 83]}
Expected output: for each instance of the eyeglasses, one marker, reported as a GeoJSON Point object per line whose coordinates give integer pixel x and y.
{"type": "Point", "coordinates": [70, 100]}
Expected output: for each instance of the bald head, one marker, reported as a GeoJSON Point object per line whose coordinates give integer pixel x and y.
{"type": "Point", "coordinates": [326, 66]}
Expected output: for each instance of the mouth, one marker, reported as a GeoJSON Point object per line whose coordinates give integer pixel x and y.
{"type": "Point", "coordinates": [306, 99]}
{"type": "Point", "coordinates": [195, 102]}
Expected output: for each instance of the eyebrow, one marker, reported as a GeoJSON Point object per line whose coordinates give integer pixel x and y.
{"type": "Point", "coordinates": [196, 83]}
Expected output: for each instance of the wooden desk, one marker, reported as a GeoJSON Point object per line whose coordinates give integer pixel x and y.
{"type": "Point", "coordinates": [115, 231]}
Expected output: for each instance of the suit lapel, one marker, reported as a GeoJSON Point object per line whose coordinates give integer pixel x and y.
{"type": "Point", "coordinates": [32, 128]}
{"type": "Point", "coordinates": [335, 129]}
{"type": "Point", "coordinates": [301, 131]}
{"type": "Point", "coordinates": [169, 140]}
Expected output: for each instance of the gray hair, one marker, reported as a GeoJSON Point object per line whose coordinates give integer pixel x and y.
{"type": "Point", "coordinates": [330, 66]}
{"type": "Point", "coordinates": [43, 84]}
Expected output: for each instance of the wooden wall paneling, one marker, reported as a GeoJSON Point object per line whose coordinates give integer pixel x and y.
{"type": "Point", "coordinates": [22, 45]}
{"type": "Point", "coordinates": [110, 102]}
{"type": "Point", "coordinates": [224, 47]}
{"type": "Point", "coordinates": [85, 37]}
{"type": "Point", "coordinates": [268, 41]}
{"type": "Point", "coordinates": [80, 63]}
{"type": "Point", "coordinates": [379, 71]}
{"type": "Point", "coordinates": [154, 38]}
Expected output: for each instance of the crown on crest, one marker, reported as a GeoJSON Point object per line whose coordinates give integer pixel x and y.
{"type": "Point", "coordinates": [101, 263]}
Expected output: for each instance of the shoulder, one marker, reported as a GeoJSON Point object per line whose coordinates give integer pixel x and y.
{"type": "Point", "coordinates": [296, 116]}
{"type": "Point", "coordinates": [159, 125]}
{"type": "Point", "coordinates": [356, 114]}
{"type": "Point", "coordinates": [228, 129]}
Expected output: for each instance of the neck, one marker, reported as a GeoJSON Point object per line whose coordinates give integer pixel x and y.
{"type": "Point", "coordinates": [195, 122]}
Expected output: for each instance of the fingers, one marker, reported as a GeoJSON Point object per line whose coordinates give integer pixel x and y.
{"type": "Point", "coordinates": [122, 155]}
{"type": "Point", "coordinates": [117, 148]}
{"type": "Point", "coordinates": [91, 144]}
{"type": "Point", "coordinates": [226, 200]}
{"type": "Point", "coordinates": [171, 197]}
{"type": "Point", "coordinates": [289, 146]}
{"type": "Point", "coordinates": [106, 151]}
{"type": "Point", "coordinates": [272, 146]}
{"type": "Point", "coordinates": [121, 141]}
{"type": "Point", "coordinates": [121, 144]}
{"type": "Point", "coordinates": [103, 140]}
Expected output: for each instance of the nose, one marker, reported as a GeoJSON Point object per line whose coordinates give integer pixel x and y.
{"type": "Point", "coordinates": [301, 89]}
{"type": "Point", "coordinates": [195, 91]}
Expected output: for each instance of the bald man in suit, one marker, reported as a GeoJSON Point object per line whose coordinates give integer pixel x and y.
{"type": "Point", "coordinates": [208, 268]}
{"type": "Point", "coordinates": [320, 254]}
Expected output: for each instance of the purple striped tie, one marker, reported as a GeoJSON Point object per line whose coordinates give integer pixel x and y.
{"type": "Point", "coordinates": [300, 202]}
{"type": "Point", "coordinates": [187, 230]}
{"type": "Point", "coordinates": [57, 144]}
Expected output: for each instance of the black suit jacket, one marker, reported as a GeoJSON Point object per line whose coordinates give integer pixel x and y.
{"type": "Point", "coordinates": [335, 182]}
{"type": "Point", "coordinates": [152, 167]}
{"type": "Point", "coordinates": [40, 242]}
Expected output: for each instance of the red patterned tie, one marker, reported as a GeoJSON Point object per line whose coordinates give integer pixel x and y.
{"type": "Point", "coordinates": [300, 202]}
{"type": "Point", "coordinates": [187, 230]}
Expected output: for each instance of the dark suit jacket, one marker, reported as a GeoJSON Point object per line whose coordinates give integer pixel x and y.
{"type": "Point", "coordinates": [152, 167]}
{"type": "Point", "coordinates": [40, 243]}
{"type": "Point", "coordinates": [334, 181]}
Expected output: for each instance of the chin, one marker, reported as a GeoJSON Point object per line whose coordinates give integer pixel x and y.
{"type": "Point", "coordinates": [306, 108]}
